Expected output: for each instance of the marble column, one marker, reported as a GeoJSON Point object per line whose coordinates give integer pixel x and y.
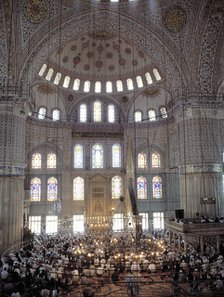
{"type": "Point", "coordinates": [200, 169]}
{"type": "Point", "coordinates": [12, 163]}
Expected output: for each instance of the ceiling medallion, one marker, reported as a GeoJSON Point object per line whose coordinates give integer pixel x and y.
{"type": "Point", "coordinates": [46, 89]}
{"type": "Point", "coordinates": [35, 10]}
{"type": "Point", "coordinates": [101, 35]}
{"type": "Point", "coordinates": [151, 91]}
{"type": "Point", "coordinates": [175, 19]}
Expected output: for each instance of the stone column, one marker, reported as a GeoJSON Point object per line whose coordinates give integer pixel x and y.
{"type": "Point", "coordinates": [12, 164]}
{"type": "Point", "coordinates": [200, 167]}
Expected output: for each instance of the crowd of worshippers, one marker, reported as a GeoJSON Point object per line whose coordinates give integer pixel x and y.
{"type": "Point", "coordinates": [52, 264]}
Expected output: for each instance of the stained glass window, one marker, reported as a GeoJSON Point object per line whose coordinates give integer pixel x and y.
{"type": "Point", "coordinates": [155, 160]}
{"type": "Point", "coordinates": [116, 187]}
{"type": "Point", "coordinates": [152, 115]}
{"type": "Point", "coordinates": [42, 113]}
{"type": "Point", "coordinates": [157, 187]}
{"type": "Point", "coordinates": [97, 156]}
{"type": "Point", "coordinates": [141, 187]}
{"type": "Point", "coordinates": [56, 114]}
{"type": "Point", "coordinates": [111, 113]}
{"type": "Point", "coordinates": [78, 188]}
{"type": "Point", "coordinates": [52, 189]}
{"type": "Point", "coordinates": [138, 116]}
{"type": "Point", "coordinates": [51, 160]}
{"type": "Point", "coordinates": [142, 160]}
{"type": "Point", "coordinates": [35, 189]}
{"type": "Point", "coordinates": [36, 161]}
{"type": "Point", "coordinates": [97, 111]}
{"type": "Point", "coordinates": [78, 156]}
{"type": "Point", "coordinates": [163, 112]}
{"type": "Point", "coordinates": [116, 155]}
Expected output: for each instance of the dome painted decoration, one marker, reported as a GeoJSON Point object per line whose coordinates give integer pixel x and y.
{"type": "Point", "coordinates": [35, 10]}
{"type": "Point", "coordinates": [175, 19]}
{"type": "Point", "coordinates": [100, 55]}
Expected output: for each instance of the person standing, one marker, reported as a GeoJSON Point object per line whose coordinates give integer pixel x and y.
{"type": "Point", "coordinates": [129, 283]}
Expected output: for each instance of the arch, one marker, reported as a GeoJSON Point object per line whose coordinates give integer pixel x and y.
{"type": "Point", "coordinates": [116, 187]}
{"type": "Point", "coordinates": [97, 156]}
{"type": "Point", "coordinates": [45, 148]}
{"type": "Point", "coordinates": [78, 188]}
{"type": "Point", "coordinates": [174, 57]}
{"type": "Point", "coordinates": [52, 189]}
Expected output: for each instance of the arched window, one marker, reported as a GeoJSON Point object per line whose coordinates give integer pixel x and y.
{"type": "Point", "coordinates": [97, 87]}
{"type": "Point", "coordinates": [142, 160]}
{"type": "Point", "coordinates": [52, 189]}
{"type": "Point", "coordinates": [97, 111]}
{"type": "Point", "coordinates": [86, 87]}
{"type": "Point", "coordinates": [157, 187]}
{"type": "Point", "coordinates": [111, 113]}
{"type": "Point", "coordinates": [163, 112]}
{"type": "Point", "coordinates": [152, 115]}
{"type": "Point", "coordinates": [49, 74]}
{"type": "Point", "coordinates": [116, 185]}
{"type": "Point", "coordinates": [35, 189]}
{"type": "Point", "coordinates": [66, 82]}
{"type": "Point", "coordinates": [141, 187]}
{"type": "Point", "coordinates": [57, 78]}
{"type": "Point", "coordinates": [156, 160]}
{"type": "Point", "coordinates": [56, 114]}
{"type": "Point", "coordinates": [36, 161]}
{"type": "Point", "coordinates": [138, 116]}
{"type": "Point", "coordinates": [78, 156]}
{"type": "Point", "coordinates": [139, 81]}
{"type": "Point", "coordinates": [148, 78]}
{"type": "Point", "coordinates": [83, 113]}
{"type": "Point", "coordinates": [78, 188]}
{"type": "Point", "coordinates": [42, 113]}
{"type": "Point", "coordinates": [156, 74]}
{"type": "Point", "coordinates": [51, 160]}
{"type": "Point", "coordinates": [97, 156]}
{"type": "Point", "coordinates": [130, 85]}
{"type": "Point", "coordinates": [76, 84]}
{"type": "Point", "coordinates": [119, 85]}
{"type": "Point", "coordinates": [42, 69]}
{"type": "Point", "coordinates": [109, 87]}
{"type": "Point", "coordinates": [116, 155]}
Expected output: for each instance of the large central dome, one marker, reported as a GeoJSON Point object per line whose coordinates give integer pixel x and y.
{"type": "Point", "coordinates": [100, 56]}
